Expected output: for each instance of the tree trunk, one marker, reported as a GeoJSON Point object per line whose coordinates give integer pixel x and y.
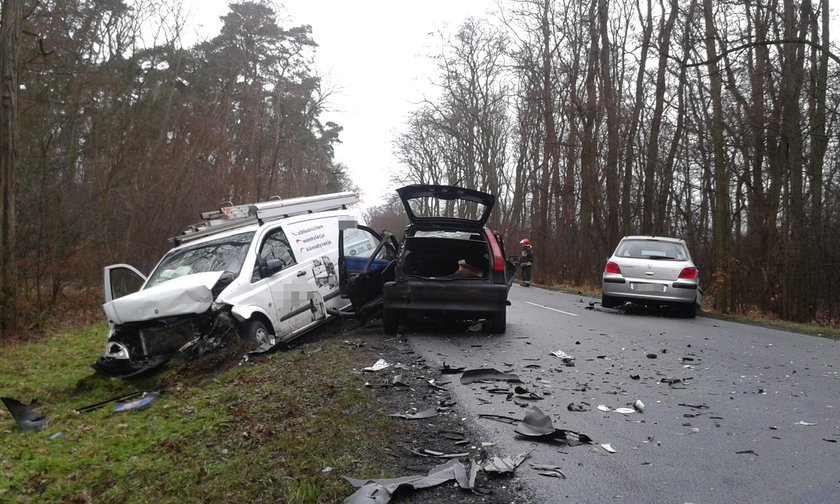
{"type": "Point", "coordinates": [721, 217]}
{"type": "Point", "coordinates": [10, 33]}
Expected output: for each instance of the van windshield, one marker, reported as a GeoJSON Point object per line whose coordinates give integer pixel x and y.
{"type": "Point", "coordinates": [223, 254]}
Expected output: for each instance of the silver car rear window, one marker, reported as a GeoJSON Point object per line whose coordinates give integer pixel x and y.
{"type": "Point", "coordinates": [650, 249]}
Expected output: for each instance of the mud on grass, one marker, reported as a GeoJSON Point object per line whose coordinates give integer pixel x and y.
{"type": "Point", "coordinates": [282, 427]}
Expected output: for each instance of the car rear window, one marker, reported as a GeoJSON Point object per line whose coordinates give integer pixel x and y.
{"type": "Point", "coordinates": [431, 207]}
{"type": "Point", "coordinates": [649, 249]}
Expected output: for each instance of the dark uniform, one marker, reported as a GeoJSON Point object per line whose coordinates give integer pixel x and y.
{"type": "Point", "coordinates": [526, 261]}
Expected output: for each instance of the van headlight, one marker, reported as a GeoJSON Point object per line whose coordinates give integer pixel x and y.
{"type": "Point", "coordinates": [116, 350]}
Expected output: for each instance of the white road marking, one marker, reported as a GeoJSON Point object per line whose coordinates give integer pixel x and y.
{"type": "Point", "coordinates": [553, 309]}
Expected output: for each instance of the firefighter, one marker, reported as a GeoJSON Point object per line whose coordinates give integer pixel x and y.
{"type": "Point", "coordinates": [526, 261]}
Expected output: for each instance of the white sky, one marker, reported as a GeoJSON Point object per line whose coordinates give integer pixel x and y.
{"type": "Point", "coordinates": [375, 55]}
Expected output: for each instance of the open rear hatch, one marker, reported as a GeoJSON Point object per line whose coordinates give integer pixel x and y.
{"type": "Point", "coordinates": [446, 207]}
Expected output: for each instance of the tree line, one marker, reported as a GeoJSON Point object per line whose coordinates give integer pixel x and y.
{"type": "Point", "coordinates": [707, 120]}
{"type": "Point", "coordinates": [115, 135]}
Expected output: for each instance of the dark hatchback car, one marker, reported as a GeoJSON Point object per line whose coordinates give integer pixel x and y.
{"type": "Point", "coordinates": [447, 265]}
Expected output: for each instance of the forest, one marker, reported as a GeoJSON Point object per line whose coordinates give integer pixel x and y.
{"type": "Point", "coordinates": [713, 121]}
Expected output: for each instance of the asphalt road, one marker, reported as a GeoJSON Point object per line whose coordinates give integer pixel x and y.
{"type": "Point", "coordinates": [732, 413]}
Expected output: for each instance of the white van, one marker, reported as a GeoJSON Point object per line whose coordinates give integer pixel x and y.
{"type": "Point", "coordinates": [268, 272]}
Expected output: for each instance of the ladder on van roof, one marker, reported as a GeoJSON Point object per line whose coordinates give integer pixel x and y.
{"type": "Point", "coordinates": [234, 216]}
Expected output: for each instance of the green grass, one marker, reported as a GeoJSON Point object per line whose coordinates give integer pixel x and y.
{"type": "Point", "coordinates": [253, 433]}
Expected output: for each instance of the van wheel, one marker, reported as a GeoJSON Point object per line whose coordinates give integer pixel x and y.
{"type": "Point", "coordinates": [498, 322]}
{"type": "Point", "coordinates": [256, 332]}
{"type": "Point", "coordinates": [390, 321]}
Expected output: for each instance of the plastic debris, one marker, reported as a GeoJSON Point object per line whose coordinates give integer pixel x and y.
{"type": "Point", "coordinates": [452, 435]}
{"type": "Point", "coordinates": [139, 404]}
{"type": "Point", "coordinates": [427, 413]}
{"type": "Point", "coordinates": [499, 418]}
{"type": "Point", "coordinates": [378, 366]}
{"type": "Point", "coordinates": [447, 369]}
{"type": "Point", "coordinates": [551, 471]}
{"type": "Point", "coordinates": [639, 406]}
{"type": "Point", "coordinates": [523, 393]}
{"type": "Point", "coordinates": [487, 375]}
{"type": "Point", "coordinates": [608, 447]}
{"type": "Point", "coordinates": [55, 435]}
{"type": "Point", "coordinates": [807, 424]}
{"type": "Point", "coordinates": [426, 452]}
{"type": "Point", "coordinates": [603, 408]}
{"type": "Point", "coordinates": [562, 355]}
{"type": "Point", "coordinates": [625, 411]}
{"type": "Point", "coordinates": [502, 465]}
{"type": "Point", "coordinates": [24, 414]}
{"type": "Point", "coordinates": [580, 407]}
{"type": "Point", "coordinates": [380, 491]}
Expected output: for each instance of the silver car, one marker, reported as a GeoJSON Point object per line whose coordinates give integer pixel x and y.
{"type": "Point", "coordinates": [653, 271]}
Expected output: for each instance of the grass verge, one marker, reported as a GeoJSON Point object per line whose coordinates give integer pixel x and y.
{"type": "Point", "coordinates": [282, 429]}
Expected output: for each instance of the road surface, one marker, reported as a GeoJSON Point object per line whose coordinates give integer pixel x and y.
{"type": "Point", "coordinates": [732, 412]}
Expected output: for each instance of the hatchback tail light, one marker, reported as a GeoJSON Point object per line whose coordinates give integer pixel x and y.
{"type": "Point", "coordinates": [498, 260]}
{"type": "Point", "coordinates": [612, 268]}
{"type": "Point", "coordinates": [689, 273]}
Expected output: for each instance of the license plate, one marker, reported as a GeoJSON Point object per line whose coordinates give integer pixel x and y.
{"type": "Point", "coordinates": [646, 287]}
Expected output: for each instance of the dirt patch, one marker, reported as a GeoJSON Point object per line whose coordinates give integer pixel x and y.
{"type": "Point", "coordinates": [409, 386]}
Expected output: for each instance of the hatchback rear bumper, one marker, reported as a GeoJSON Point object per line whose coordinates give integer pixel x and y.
{"type": "Point", "coordinates": [646, 290]}
{"type": "Point", "coordinates": [445, 296]}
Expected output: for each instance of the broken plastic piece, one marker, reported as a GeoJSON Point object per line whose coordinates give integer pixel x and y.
{"type": "Point", "coordinates": [807, 424]}
{"type": "Point", "coordinates": [139, 404]}
{"type": "Point", "coordinates": [487, 374]}
{"type": "Point", "coordinates": [562, 355]}
{"type": "Point", "coordinates": [427, 413]}
{"type": "Point", "coordinates": [378, 366]}
{"type": "Point", "coordinates": [523, 393]}
{"type": "Point", "coordinates": [625, 411]}
{"type": "Point", "coordinates": [552, 471]}
{"type": "Point", "coordinates": [608, 447]}
{"type": "Point", "coordinates": [380, 491]}
{"type": "Point", "coordinates": [603, 408]}
{"type": "Point", "coordinates": [92, 407]}
{"type": "Point", "coordinates": [581, 406]}
{"type": "Point", "coordinates": [24, 414]}
{"type": "Point", "coordinates": [639, 405]}
{"type": "Point", "coordinates": [446, 369]}
{"type": "Point", "coordinates": [503, 465]}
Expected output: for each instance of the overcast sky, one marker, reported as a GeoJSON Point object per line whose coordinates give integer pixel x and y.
{"type": "Point", "coordinates": [375, 55]}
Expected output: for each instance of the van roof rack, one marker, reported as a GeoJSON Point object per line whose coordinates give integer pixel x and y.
{"type": "Point", "coordinates": [234, 216]}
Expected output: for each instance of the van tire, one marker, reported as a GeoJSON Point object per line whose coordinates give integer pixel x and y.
{"type": "Point", "coordinates": [256, 332]}
{"type": "Point", "coordinates": [390, 321]}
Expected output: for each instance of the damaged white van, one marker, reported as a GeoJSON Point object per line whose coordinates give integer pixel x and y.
{"type": "Point", "coordinates": [267, 272]}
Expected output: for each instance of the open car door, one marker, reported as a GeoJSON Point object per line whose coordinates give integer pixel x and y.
{"type": "Point", "coordinates": [366, 261]}
{"type": "Point", "coordinates": [120, 280]}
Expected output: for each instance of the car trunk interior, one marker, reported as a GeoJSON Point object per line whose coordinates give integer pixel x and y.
{"type": "Point", "coordinates": [445, 257]}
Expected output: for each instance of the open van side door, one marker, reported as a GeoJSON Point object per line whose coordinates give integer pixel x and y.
{"type": "Point", "coordinates": [366, 261]}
